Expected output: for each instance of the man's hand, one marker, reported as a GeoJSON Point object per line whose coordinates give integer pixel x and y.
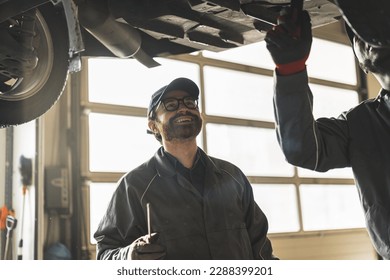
{"type": "Point", "coordinates": [144, 249]}
{"type": "Point", "coordinates": [289, 42]}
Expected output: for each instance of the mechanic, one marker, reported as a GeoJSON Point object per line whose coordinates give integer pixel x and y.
{"type": "Point", "coordinates": [358, 138]}
{"type": "Point", "coordinates": [200, 207]}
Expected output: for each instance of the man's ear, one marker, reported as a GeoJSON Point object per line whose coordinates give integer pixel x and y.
{"type": "Point", "coordinates": [152, 126]}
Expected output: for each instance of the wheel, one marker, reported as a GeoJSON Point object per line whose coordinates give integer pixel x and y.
{"type": "Point", "coordinates": [28, 96]}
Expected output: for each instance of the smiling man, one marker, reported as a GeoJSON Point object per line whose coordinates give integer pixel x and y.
{"type": "Point", "coordinates": [200, 207]}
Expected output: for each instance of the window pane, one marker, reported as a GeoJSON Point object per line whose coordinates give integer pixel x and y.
{"type": "Point", "coordinates": [331, 102]}
{"type": "Point", "coordinates": [237, 94]}
{"type": "Point", "coordinates": [330, 207]}
{"type": "Point", "coordinates": [279, 203]}
{"type": "Point", "coordinates": [128, 82]}
{"type": "Point", "coordinates": [323, 57]}
{"type": "Point", "coordinates": [255, 54]}
{"type": "Point", "coordinates": [332, 61]}
{"type": "Point", "coordinates": [119, 143]}
{"type": "Point", "coordinates": [254, 150]}
{"type": "Point", "coordinates": [333, 173]}
{"type": "Point", "coordinates": [99, 197]}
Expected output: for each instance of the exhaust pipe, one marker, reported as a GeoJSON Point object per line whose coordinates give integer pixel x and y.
{"type": "Point", "coordinates": [121, 39]}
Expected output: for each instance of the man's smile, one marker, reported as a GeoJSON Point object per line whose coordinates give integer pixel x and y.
{"type": "Point", "coordinates": [183, 120]}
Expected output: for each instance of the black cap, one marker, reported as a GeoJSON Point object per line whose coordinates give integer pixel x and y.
{"type": "Point", "coordinates": [369, 20]}
{"type": "Point", "coordinates": [178, 84]}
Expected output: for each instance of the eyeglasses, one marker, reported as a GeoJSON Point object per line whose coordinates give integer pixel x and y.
{"type": "Point", "coordinates": [171, 104]}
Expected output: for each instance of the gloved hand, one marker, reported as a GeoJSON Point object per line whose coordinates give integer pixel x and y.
{"type": "Point", "coordinates": [144, 249]}
{"type": "Point", "coordinates": [289, 42]}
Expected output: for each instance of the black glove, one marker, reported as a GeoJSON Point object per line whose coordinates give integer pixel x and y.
{"type": "Point", "coordinates": [144, 249]}
{"type": "Point", "coordinates": [289, 42]}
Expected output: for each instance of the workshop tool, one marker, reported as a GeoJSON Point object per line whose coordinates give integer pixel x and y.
{"type": "Point", "coordinates": [148, 221]}
{"type": "Point", "coordinates": [10, 225]}
{"type": "Point", "coordinates": [3, 223]}
{"type": "Point", "coordinates": [26, 174]}
{"type": "Point", "coordinates": [3, 217]}
{"type": "Point", "coordinates": [297, 5]}
{"type": "Point", "coordinates": [296, 9]}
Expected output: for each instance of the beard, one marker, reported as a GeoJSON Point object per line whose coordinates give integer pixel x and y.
{"type": "Point", "coordinates": [376, 61]}
{"type": "Point", "coordinates": [374, 67]}
{"type": "Point", "coordinates": [173, 131]}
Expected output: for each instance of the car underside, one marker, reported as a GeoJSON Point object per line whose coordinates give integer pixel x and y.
{"type": "Point", "coordinates": [183, 26]}
{"type": "Point", "coordinates": [43, 40]}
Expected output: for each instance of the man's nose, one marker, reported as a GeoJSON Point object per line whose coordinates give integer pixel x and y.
{"type": "Point", "coordinates": [181, 105]}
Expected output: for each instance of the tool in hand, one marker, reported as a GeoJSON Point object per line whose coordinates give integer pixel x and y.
{"type": "Point", "coordinates": [148, 221]}
{"type": "Point", "coordinates": [296, 9]}
{"type": "Point", "coordinates": [297, 5]}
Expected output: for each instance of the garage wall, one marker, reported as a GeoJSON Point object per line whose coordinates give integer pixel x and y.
{"type": "Point", "coordinates": [2, 165]}
{"type": "Point", "coordinates": [2, 181]}
{"type": "Point", "coordinates": [373, 86]}
{"type": "Point", "coordinates": [346, 245]}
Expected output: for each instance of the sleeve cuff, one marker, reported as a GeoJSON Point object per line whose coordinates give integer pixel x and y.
{"type": "Point", "coordinates": [291, 68]}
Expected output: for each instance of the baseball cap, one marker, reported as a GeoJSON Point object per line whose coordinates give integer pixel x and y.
{"type": "Point", "coordinates": [177, 84]}
{"type": "Point", "coordinates": [368, 20]}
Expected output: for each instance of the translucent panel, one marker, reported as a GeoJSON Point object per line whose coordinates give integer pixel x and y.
{"type": "Point", "coordinates": [254, 150]}
{"type": "Point", "coordinates": [328, 60]}
{"type": "Point", "coordinates": [279, 204]}
{"type": "Point", "coordinates": [333, 173]}
{"type": "Point", "coordinates": [99, 197]}
{"type": "Point", "coordinates": [332, 61]}
{"type": "Point", "coordinates": [255, 54]}
{"type": "Point", "coordinates": [128, 82]}
{"type": "Point", "coordinates": [24, 137]}
{"type": "Point", "coordinates": [237, 94]}
{"type": "Point", "coordinates": [331, 102]}
{"type": "Point", "coordinates": [119, 143]}
{"type": "Point", "coordinates": [330, 207]}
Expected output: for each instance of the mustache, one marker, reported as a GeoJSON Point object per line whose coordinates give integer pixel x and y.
{"type": "Point", "coordinates": [189, 114]}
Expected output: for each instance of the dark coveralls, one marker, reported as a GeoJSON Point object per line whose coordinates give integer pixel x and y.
{"type": "Point", "coordinates": [359, 138]}
{"type": "Point", "coordinates": [223, 223]}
